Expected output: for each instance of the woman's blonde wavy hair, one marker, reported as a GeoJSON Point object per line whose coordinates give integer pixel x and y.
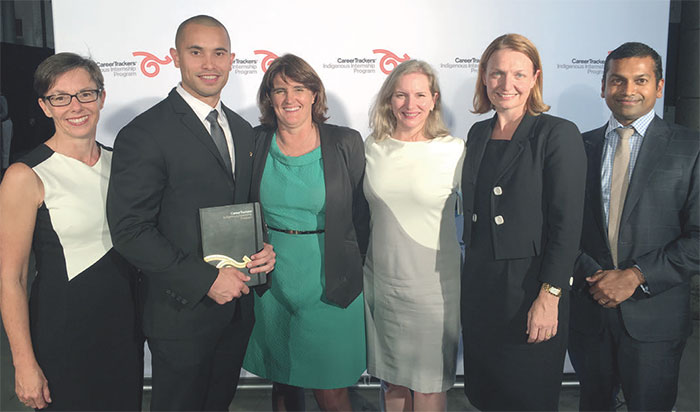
{"type": "Point", "coordinates": [382, 121]}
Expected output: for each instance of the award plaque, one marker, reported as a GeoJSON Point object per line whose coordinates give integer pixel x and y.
{"type": "Point", "coordinates": [230, 235]}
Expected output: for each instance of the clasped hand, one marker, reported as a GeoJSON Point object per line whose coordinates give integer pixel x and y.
{"type": "Point", "coordinates": [611, 287]}
{"type": "Point", "coordinates": [230, 282]}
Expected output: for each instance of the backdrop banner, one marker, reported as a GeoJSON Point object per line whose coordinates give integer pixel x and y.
{"type": "Point", "coordinates": [354, 45]}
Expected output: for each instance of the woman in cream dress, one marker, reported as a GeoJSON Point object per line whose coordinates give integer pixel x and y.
{"type": "Point", "coordinates": [412, 270]}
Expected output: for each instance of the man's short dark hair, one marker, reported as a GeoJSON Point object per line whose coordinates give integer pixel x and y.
{"type": "Point", "coordinates": [635, 49]}
{"type": "Point", "coordinates": [50, 69]}
{"type": "Point", "coordinates": [202, 19]}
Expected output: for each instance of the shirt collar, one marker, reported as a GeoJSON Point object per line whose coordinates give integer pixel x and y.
{"type": "Point", "coordinates": [640, 125]}
{"type": "Point", "coordinates": [200, 108]}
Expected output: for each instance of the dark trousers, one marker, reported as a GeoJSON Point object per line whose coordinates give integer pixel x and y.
{"type": "Point", "coordinates": [646, 371]}
{"type": "Point", "coordinates": [200, 373]}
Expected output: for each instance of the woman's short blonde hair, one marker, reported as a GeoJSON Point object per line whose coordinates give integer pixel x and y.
{"type": "Point", "coordinates": [517, 42]}
{"type": "Point", "coordinates": [382, 121]}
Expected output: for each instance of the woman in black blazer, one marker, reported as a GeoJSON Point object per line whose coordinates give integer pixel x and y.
{"type": "Point", "coordinates": [523, 185]}
{"type": "Point", "coordinates": [309, 330]}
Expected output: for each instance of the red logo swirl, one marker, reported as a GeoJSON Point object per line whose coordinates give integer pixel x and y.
{"type": "Point", "coordinates": [150, 65]}
{"type": "Point", "coordinates": [389, 59]}
{"type": "Point", "coordinates": [267, 60]}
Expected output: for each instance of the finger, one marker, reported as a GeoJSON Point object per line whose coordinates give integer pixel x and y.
{"type": "Point", "coordinates": [258, 258]}
{"type": "Point", "coordinates": [266, 251]}
{"type": "Point", "coordinates": [266, 263]}
{"type": "Point", "coordinates": [610, 303]}
{"type": "Point", "coordinates": [47, 393]}
{"type": "Point", "coordinates": [38, 401]}
{"type": "Point", "coordinates": [264, 268]}
{"type": "Point", "coordinates": [242, 276]}
{"type": "Point", "coordinates": [532, 335]}
{"type": "Point", "coordinates": [539, 335]}
{"type": "Point", "coordinates": [600, 295]}
{"type": "Point", "coordinates": [596, 276]}
{"type": "Point", "coordinates": [245, 289]}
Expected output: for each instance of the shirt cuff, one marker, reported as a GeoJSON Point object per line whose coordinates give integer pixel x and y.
{"type": "Point", "coordinates": [644, 286]}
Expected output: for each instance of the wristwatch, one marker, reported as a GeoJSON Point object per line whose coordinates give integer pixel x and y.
{"type": "Point", "coordinates": [551, 289]}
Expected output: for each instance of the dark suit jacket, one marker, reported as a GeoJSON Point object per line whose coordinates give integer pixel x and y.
{"type": "Point", "coordinates": [347, 213]}
{"type": "Point", "coordinates": [658, 232]}
{"type": "Point", "coordinates": [165, 167]}
{"type": "Point", "coordinates": [540, 181]}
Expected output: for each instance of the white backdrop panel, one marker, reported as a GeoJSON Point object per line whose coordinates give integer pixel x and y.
{"type": "Point", "coordinates": [352, 44]}
{"type": "Point", "coordinates": [572, 37]}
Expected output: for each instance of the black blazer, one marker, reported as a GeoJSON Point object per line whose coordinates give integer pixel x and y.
{"type": "Point", "coordinates": [347, 213]}
{"type": "Point", "coordinates": [538, 195]}
{"type": "Point", "coordinates": [165, 167]}
{"type": "Point", "coordinates": [658, 232]}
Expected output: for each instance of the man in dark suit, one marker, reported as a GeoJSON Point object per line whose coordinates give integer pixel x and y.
{"type": "Point", "coordinates": [630, 307]}
{"type": "Point", "coordinates": [185, 153]}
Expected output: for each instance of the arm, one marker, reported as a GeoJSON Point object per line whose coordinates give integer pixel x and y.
{"type": "Point", "coordinates": [564, 182]}
{"type": "Point", "coordinates": [675, 262]}
{"type": "Point", "coordinates": [137, 184]}
{"type": "Point", "coordinates": [564, 179]}
{"type": "Point", "coordinates": [662, 268]}
{"type": "Point", "coordinates": [21, 193]}
{"type": "Point", "coordinates": [585, 266]}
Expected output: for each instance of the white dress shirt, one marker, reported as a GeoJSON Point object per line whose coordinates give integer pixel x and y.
{"type": "Point", "coordinates": [202, 110]}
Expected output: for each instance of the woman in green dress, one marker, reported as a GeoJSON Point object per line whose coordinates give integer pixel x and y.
{"type": "Point", "coordinates": [309, 330]}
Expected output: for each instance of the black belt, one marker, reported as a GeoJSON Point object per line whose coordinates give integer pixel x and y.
{"type": "Point", "coordinates": [296, 232]}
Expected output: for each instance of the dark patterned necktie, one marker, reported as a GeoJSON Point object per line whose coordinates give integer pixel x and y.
{"type": "Point", "coordinates": [217, 134]}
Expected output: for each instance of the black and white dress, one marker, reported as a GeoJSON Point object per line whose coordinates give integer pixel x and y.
{"type": "Point", "coordinates": [82, 306]}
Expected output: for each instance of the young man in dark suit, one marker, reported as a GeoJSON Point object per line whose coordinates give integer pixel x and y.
{"type": "Point", "coordinates": [630, 307]}
{"type": "Point", "coordinates": [187, 152]}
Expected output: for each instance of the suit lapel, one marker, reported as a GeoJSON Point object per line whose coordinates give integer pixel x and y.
{"type": "Point", "coordinates": [653, 148]}
{"type": "Point", "coordinates": [476, 146]}
{"type": "Point", "coordinates": [263, 141]}
{"type": "Point", "coordinates": [594, 150]}
{"type": "Point", "coordinates": [196, 128]}
{"type": "Point", "coordinates": [331, 161]}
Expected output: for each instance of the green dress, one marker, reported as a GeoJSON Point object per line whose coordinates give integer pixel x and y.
{"type": "Point", "coordinates": [299, 338]}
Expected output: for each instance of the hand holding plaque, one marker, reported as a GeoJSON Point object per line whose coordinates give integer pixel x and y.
{"type": "Point", "coordinates": [230, 235]}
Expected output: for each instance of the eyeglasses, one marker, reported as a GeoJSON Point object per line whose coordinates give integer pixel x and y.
{"type": "Point", "coordinates": [64, 99]}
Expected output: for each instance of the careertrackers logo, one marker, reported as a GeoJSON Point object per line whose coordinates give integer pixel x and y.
{"type": "Point", "coordinates": [267, 60]}
{"type": "Point", "coordinates": [390, 60]}
{"type": "Point", "coordinates": [589, 66]}
{"type": "Point", "coordinates": [367, 65]}
{"type": "Point", "coordinates": [150, 64]}
{"type": "Point", "coordinates": [463, 63]}
{"type": "Point", "coordinates": [118, 68]}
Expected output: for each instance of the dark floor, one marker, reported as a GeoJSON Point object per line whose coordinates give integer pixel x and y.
{"type": "Point", "coordinates": [364, 398]}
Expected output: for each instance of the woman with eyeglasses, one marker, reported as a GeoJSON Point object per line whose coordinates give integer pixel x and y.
{"type": "Point", "coordinates": [75, 342]}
